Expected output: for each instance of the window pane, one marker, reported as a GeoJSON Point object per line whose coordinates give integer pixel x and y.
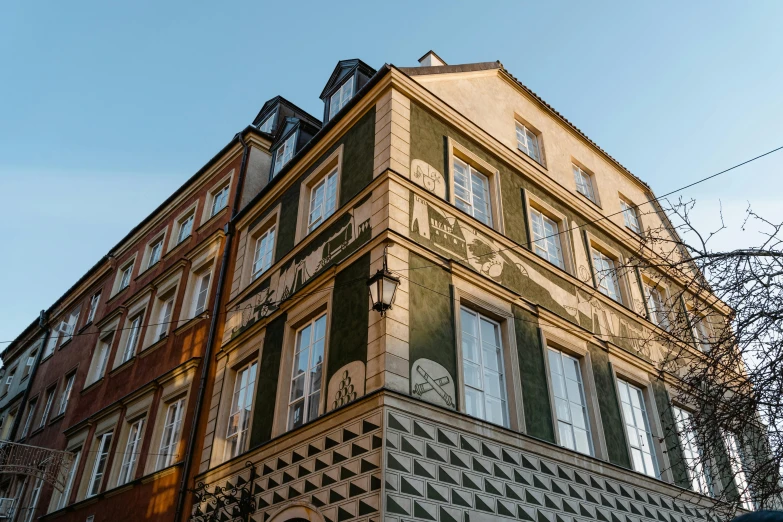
{"type": "Point", "coordinates": [485, 392]}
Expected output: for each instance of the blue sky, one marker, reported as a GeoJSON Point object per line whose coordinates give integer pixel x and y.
{"type": "Point", "coordinates": [107, 107]}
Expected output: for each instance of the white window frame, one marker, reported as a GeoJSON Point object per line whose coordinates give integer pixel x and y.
{"type": "Point", "coordinates": [95, 300]}
{"type": "Point", "coordinates": [30, 415]}
{"type": "Point", "coordinates": [221, 195]}
{"type": "Point", "coordinates": [469, 202]}
{"type": "Point", "coordinates": [585, 183]}
{"type": "Point", "coordinates": [308, 393]}
{"type": "Point", "coordinates": [201, 293]}
{"type": "Point", "coordinates": [285, 152]}
{"type": "Point", "coordinates": [643, 432]}
{"type": "Point", "coordinates": [68, 326]}
{"type": "Point", "coordinates": [700, 330]}
{"type": "Point", "coordinates": [125, 277]}
{"type": "Point", "coordinates": [331, 166]}
{"type": "Point", "coordinates": [326, 204]}
{"type": "Point", "coordinates": [132, 339]}
{"type": "Point", "coordinates": [607, 280]}
{"type": "Point", "coordinates": [165, 314]}
{"type": "Point", "coordinates": [264, 251]}
{"type": "Point", "coordinates": [50, 393]}
{"type": "Point", "coordinates": [737, 464]}
{"type": "Point", "coordinates": [268, 124]}
{"type": "Point", "coordinates": [66, 395]}
{"type": "Point", "coordinates": [342, 95]}
{"type": "Point", "coordinates": [459, 153]}
{"type": "Point", "coordinates": [155, 252]}
{"type": "Point", "coordinates": [480, 389]}
{"type": "Point", "coordinates": [658, 315]}
{"type": "Point", "coordinates": [102, 354]}
{"type": "Point", "coordinates": [525, 135]}
{"type": "Point", "coordinates": [69, 481]}
{"type": "Point", "coordinates": [185, 226]}
{"type": "Point", "coordinates": [51, 343]}
{"type": "Point", "coordinates": [564, 419]}
{"type": "Point", "coordinates": [542, 240]}
{"type": "Point", "coordinates": [9, 380]}
{"type": "Point", "coordinates": [34, 497]}
{"type": "Point", "coordinates": [100, 464]}
{"type": "Point", "coordinates": [691, 453]}
{"type": "Point", "coordinates": [631, 216]}
{"type": "Point", "coordinates": [170, 436]}
{"type": "Point", "coordinates": [130, 456]}
{"type": "Point", "coordinates": [241, 410]}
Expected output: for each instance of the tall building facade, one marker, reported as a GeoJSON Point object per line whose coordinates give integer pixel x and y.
{"type": "Point", "coordinates": [225, 360]}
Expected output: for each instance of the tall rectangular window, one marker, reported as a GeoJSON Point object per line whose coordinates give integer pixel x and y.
{"type": "Point", "coordinates": [546, 238]}
{"type": "Point", "coordinates": [262, 255]}
{"type": "Point", "coordinates": [155, 250]}
{"type": "Point", "coordinates": [219, 200]}
{"type": "Point", "coordinates": [69, 480]}
{"type": "Point", "coordinates": [172, 427]}
{"type": "Point", "coordinates": [527, 142]}
{"type": "Point", "coordinates": [29, 419]}
{"type": "Point", "coordinates": [737, 463]}
{"type": "Point", "coordinates": [28, 366]}
{"type": "Point", "coordinates": [482, 365]}
{"type": "Point", "coordinates": [630, 216]}
{"type": "Point", "coordinates": [94, 302]}
{"type": "Point", "coordinates": [185, 228]}
{"type": "Point", "coordinates": [132, 448]}
{"type": "Point", "coordinates": [284, 153]}
{"type": "Point", "coordinates": [47, 407]}
{"type": "Point", "coordinates": [305, 398]}
{"type": "Point", "coordinates": [239, 415]}
{"type": "Point", "coordinates": [133, 339]}
{"type": "Point", "coordinates": [54, 336]}
{"type": "Point", "coordinates": [201, 295]}
{"type": "Point", "coordinates": [34, 496]}
{"type": "Point", "coordinates": [341, 97]}
{"type": "Point", "coordinates": [268, 124]}
{"type": "Point", "coordinates": [694, 464]}
{"type": "Point", "coordinates": [584, 183]}
{"type": "Point", "coordinates": [102, 357]}
{"type": "Point", "coordinates": [573, 423]}
{"type": "Point", "coordinates": [606, 275]}
{"type": "Point", "coordinates": [658, 314]}
{"type": "Point", "coordinates": [637, 426]}
{"type": "Point", "coordinates": [9, 380]}
{"type": "Point", "coordinates": [164, 319]}
{"type": "Point", "coordinates": [700, 331]}
{"type": "Point", "coordinates": [68, 325]}
{"type": "Point", "coordinates": [66, 396]}
{"type": "Point", "coordinates": [323, 200]}
{"type": "Point", "coordinates": [471, 192]}
{"type": "Point", "coordinates": [125, 277]}
{"type": "Point", "coordinates": [99, 467]}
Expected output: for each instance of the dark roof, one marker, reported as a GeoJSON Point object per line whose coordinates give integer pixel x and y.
{"type": "Point", "coordinates": [306, 148]}
{"type": "Point", "coordinates": [484, 66]}
{"type": "Point", "coordinates": [343, 69]}
{"type": "Point", "coordinates": [268, 106]}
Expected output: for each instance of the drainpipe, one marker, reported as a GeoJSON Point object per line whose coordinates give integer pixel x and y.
{"type": "Point", "coordinates": [42, 319]}
{"type": "Point", "coordinates": [213, 326]}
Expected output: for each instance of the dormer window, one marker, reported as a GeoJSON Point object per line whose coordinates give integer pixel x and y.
{"type": "Point", "coordinates": [284, 153]}
{"type": "Point", "coordinates": [268, 124]}
{"type": "Point", "coordinates": [338, 100]}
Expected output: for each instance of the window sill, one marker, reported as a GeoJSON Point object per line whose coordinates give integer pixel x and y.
{"type": "Point", "coordinates": [118, 293]}
{"type": "Point", "coordinates": [531, 158]}
{"type": "Point", "coordinates": [36, 431]}
{"type": "Point", "coordinates": [83, 328]}
{"type": "Point", "coordinates": [119, 369]}
{"type": "Point", "coordinates": [154, 346]}
{"type": "Point", "coordinates": [212, 219]}
{"type": "Point", "coordinates": [176, 248]}
{"type": "Point", "coordinates": [596, 205]}
{"type": "Point", "coordinates": [56, 418]}
{"type": "Point", "coordinates": [91, 386]}
{"type": "Point", "coordinates": [65, 343]}
{"type": "Point", "coordinates": [186, 325]}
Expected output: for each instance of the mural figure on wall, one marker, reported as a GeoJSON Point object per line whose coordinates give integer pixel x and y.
{"type": "Point", "coordinates": [346, 385]}
{"type": "Point", "coordinates": [427, 176]}
{"type": "Point", "coordinates": [432, 382]}
{"type": "Point", "coordinates": [344, 237]}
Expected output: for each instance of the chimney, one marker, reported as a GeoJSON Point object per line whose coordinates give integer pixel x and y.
{"type": "Point", "coordinates": [430, 59]}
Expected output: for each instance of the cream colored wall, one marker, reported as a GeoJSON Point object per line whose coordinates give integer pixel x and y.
{"type": "Point", "coordinates": [493, 103]}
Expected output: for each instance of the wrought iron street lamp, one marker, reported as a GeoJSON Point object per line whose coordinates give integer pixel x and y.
{"type": "Point", "coordinates": [383, 287]}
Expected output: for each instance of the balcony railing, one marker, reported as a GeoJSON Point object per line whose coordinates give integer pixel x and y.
{"type": "Point", "coordinates": [49, 465]}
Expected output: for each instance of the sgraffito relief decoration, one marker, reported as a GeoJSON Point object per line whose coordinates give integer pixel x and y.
{"type": "Point", "coordinates": [432, 382]}
{"type": "Point", "coordinates": [346, 385]}
{"type": "Point", "coordinates": [436, 472]}
{"type": "Point", "coordinates": [427, 176]}
{"type": "Point", "coordinates": [441, 229]}
{"type": "Point", "coordinates": [338, 472]}
{"type": "Point", "coordinates": [331, 246]}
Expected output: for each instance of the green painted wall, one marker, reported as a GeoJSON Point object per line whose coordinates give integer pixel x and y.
{"type": "Point", "coordinates": [609, 404]}
{"type": "Point", "coordinates": [532, 369]}
{"type": "Point", "coordinates": [672, 440]}
{"type": "Point", "coordinates": [358, 155]}
{"type": "Point", "coordinates": [350, 317]}
{"type": "Point", "coordinates": [268, 372]}
{"type": "Point", "coordinates": [431, 315]}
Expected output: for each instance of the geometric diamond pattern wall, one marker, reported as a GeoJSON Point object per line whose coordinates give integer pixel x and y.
{"type": "Point", "coordinates": [435, 473]}
{"type": "Point", "coordinates": [338, 472]}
